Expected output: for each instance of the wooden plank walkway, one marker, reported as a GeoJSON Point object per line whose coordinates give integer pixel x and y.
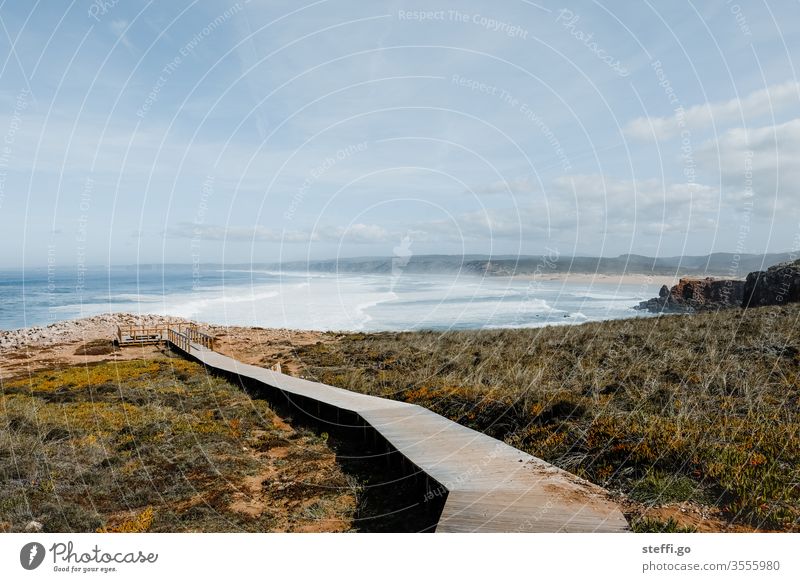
{"type": "Point", "coordinates": [137, 335]}
{"type": "Point", "coordinates": [488, 485]}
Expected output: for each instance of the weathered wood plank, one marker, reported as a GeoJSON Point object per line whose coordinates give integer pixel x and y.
{"type": "Point", "coordinates": [490, 486]}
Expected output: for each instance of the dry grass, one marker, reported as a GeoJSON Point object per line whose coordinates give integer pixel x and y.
{"type": "Point", "coordinates": [158, 445]}
{"type": "Point", "coordinates": [700, 409]}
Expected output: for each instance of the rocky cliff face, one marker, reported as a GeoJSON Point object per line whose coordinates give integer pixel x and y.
{"type": "Point", "coordinates": [691, 295]}
{"type": "Point", "coordinates": [777, 285]}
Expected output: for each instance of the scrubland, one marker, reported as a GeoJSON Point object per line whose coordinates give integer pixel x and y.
{"type": "Point", "coordinates": [158, 445]}
{"type": "Point", "coordinates": [693, 420]}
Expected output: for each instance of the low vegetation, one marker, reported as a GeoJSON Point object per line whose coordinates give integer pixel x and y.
{"type": "Point", "coordinates": [700, 409]}
{"type": "Point", "coordinates": [158, 445]}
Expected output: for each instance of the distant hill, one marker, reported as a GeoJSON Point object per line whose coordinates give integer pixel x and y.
{"type": "Point", "coordinates": [718, 264]}
{"type": "Point", "coordinates": [415, 264]}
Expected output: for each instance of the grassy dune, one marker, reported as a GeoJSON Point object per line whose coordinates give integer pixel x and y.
{"type": "Point", "coordinates": [700, 409]}
{"type": "Point", "coordinates": [157, 445]}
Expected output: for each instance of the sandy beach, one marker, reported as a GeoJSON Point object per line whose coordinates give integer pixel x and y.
{"type": "Point", "coordinates": [599, 278]}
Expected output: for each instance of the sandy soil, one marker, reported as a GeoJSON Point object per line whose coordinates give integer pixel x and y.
{"type": "Point", "coordinates": [265, 347]}
{"type": "Point", "coordinates": [26, 350]}
{"type": "Point", "coordinates": [600, 279]}
{"type": "Point", "coordinates": [686, 514]}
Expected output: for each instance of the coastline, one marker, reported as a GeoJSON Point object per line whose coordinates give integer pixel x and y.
{"type": "Point", "coordinates": [603, 279]}
{"type": "Point", "coordinates": [368, 303]}
{"type": "Point", "coordinates": [616, 279]}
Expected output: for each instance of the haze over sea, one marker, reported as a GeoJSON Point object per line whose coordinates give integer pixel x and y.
{"type": "Point", "coordinates": [312, 301]}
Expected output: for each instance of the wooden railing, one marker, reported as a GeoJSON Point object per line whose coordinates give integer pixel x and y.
{"type": "Point", "coordinates": [198, 337]}
{"type": "Point", "coordinates": [134, 333]}
{"type": "Point", "coordinates": [180, 332]}
{"type": "Point", "coordinates": [141, 333]}
{"type": "Point", "coordinates": [179, 339]}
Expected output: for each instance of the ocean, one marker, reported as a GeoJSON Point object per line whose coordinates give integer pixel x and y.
{"type": "Point", "coordinates": [312, 301]}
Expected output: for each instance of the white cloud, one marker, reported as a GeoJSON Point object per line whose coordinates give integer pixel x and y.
{"type": "Point", "coordinates": [591, 205]}
{"type": "Point", "coordinates": [677, 227]}
{"type": "Point", "coordinates": [758, 103]}
{"type": "Point", "coordinates": [232, 233]}
{"type": "Point", "coordinates": [623, 198]}
{"type": "Point", "coordinates": [355, 233]}
{"type": "Point", "coordinates": [515, 186]}
{"type": "Point", "coordinates": [581, 205]}
{"type": "Point", "coordinates": [759, 165]}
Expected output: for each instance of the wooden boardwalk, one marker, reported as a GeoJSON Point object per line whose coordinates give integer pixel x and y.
{"type": "Point", "coordinates": [486, 485]}
{"type": "Point", "coordinates": [136, 335]}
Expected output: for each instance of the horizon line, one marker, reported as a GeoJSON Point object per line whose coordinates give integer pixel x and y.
{"type": "Point", "coordinates": [478, 256]}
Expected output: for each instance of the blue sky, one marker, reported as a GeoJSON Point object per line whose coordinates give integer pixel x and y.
{"type": "Point", "coordinates": [179, 131]}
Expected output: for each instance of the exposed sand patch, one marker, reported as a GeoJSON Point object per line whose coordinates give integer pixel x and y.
{"type": "Point", "coordinates": [598, 278]}
{"type": "Point", "coordinates": [702, 518]}
{"type": "Point", "coordinates": [265, 347]}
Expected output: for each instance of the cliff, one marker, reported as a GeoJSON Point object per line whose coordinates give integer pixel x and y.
{"type": "Point", "coordinates": [777, 285]}
{"type": "Point", "coordinates": [691, 295]}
